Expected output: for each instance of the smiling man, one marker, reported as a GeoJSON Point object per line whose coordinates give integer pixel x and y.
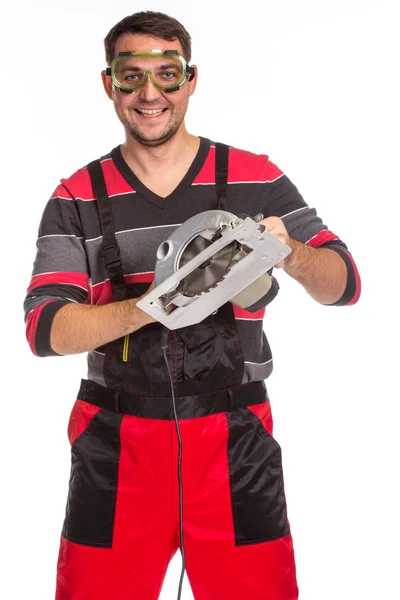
{"type": "Point", "coordinates": [97, 247]}
{"type": "Point", "coordinates": [152, 118]}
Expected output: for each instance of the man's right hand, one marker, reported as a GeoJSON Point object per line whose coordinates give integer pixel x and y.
{"type": "Point", "coordinates": [169, 308]}
{"type": "Point", "coordinates": [80, 327]}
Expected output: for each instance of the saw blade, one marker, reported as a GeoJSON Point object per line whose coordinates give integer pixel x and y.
{"type": "Point", "coordinates": [209, 273]}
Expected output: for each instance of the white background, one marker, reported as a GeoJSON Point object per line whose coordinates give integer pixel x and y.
{"type": "Point", "coordinates": [314, 85]}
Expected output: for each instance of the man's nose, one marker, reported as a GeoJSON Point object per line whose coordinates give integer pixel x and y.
{"type": "Point", "coordinates": [149, 92]}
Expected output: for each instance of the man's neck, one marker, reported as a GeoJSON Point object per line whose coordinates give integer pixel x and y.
{"type": "Point", "coordinates": [147, 160]}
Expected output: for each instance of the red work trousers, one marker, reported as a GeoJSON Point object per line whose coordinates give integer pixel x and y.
{"type": "Point", "coordinates": [232, 482]}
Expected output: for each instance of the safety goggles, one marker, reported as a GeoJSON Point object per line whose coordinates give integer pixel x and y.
{"type": "Point", "coordinates": [166, 69]}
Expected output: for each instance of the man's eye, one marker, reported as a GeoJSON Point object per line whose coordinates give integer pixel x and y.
{"type": "Point", "coordinates": [131, 77]}
{"type": "Point", "coordinates": [169, 75]}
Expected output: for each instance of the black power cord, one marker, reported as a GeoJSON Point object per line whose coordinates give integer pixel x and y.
{"type": "Point", "coordinates": [164, 347]}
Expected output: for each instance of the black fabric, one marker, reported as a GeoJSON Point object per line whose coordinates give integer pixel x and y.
{"type": "Point", "coordinates": [42, 338]}
{"type": "Point", "coordinates": [91, 503]}
{"type": "Point", "coordinates": [203, 358]}
{"type": "Point", "coordinates": [221, 174]}
{"type": "Point", "coordinates": [63, 291]}
{"type": "Point", "coordinates": [256, 480]}
{"type": "Point", "coordinates": [188, 407]}
{"type": "Point", "coordinates": [351, 285]}
{"type": "Point", "coordinates": [110, 248]}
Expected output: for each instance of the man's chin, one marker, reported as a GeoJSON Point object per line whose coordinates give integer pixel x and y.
{"type": "Point", "coordinates": [154, 140]}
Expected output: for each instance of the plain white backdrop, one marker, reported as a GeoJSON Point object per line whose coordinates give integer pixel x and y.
{"type": "Point", "coordinates": [314, 85]}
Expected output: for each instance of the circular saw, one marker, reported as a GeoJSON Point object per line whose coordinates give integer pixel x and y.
{"type": "Point", "coordinates": [212, 258]}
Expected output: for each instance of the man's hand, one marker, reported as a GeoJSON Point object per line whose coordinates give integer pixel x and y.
{"type": "Point", "coordinates": [321, 271]}
{"type": "Point", "coordinates": [148, 318]}
{"type": "Point", "coordinates": [276, 226]}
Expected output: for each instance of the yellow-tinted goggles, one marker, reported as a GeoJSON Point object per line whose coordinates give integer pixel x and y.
{"type": "Point", "coordinates": [166, 69]}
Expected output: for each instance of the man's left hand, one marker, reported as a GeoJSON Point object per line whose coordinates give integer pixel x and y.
{"type": "Point", "coordinates": [276, 226]}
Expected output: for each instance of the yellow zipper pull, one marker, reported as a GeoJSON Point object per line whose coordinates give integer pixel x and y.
{"type": "Point", "coordinates": [126, 348]}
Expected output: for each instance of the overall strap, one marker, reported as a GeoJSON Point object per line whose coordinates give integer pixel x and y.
{"type": "Point", "coordinates": [110, 248]}
{"type": "Point", "coordinates": [221, 174]}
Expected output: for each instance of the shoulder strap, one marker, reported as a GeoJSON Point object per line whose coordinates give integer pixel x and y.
{"type": "Point", "coordinates": [110, 248]}
{"type": "Point", "coordinates": [221, 174]}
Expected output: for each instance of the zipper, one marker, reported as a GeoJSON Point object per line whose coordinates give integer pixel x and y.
{"type": "Point", "coordinates": [125, 349]}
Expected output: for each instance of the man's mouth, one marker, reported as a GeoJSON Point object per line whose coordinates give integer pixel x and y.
{"type": "Point", "coordinates": [150, 113]}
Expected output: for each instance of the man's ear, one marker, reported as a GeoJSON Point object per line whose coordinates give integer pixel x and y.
{"type": "Point", "coordinates": [107, 84]}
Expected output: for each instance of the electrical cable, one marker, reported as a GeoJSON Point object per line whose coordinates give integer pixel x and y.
{"type": "Point", "coordinates": [164, 347]}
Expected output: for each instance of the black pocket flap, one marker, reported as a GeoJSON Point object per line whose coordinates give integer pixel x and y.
{"type": "Point", "coordinates": [195, 335]}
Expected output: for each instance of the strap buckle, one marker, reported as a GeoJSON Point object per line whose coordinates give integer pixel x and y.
{"type": "Point", "coordinates": [112, 254]}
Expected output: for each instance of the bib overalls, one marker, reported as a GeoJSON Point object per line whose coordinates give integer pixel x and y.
{"type": "Point", "coordinates": [121, 527]}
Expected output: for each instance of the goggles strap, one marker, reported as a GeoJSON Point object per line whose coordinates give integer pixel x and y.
{"type": "Point", "coordinates": [191, 72]}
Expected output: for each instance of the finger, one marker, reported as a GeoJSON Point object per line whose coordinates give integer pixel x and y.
{"type": "Point", "coordinates": [269, 223]}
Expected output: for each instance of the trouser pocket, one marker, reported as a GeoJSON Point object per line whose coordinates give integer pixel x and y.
{"type": "Point", "coordinates": [256, 480]}
{"type": "Point", "coordinates": [92, 494]}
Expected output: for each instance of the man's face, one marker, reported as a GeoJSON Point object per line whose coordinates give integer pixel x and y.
{"type": "Point", "coordinates": [150, 129]}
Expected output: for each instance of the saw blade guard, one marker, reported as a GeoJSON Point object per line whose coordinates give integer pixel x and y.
{"type": "Point", "coordinates": [186, 242]}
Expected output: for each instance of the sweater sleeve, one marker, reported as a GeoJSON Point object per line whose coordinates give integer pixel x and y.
{"type": "Point", "coordinates": [304, 225]}
{"type": "Point", "coordinates": [60, 271]}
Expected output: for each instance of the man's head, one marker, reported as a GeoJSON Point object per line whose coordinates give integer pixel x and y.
{"type": "Point", "coordinates": [150, 115]}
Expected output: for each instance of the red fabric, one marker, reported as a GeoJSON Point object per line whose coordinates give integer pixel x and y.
{"type": "Point", "coordinates": [146, 532]}
{"type": "Point", "coordinates": [80, 180]}
{"type": "Point", "coordinates": [321, 238]}
{"type": "Point", "coordinates": [81, 415]}
{"type": "Point", "coordinates": [59, 278]}
{"type": "Point", "coordinates": [102, 294]}
{"type": "Point", "coordinates": [243, 166]}
{"type": "Point", "coordinates": [241, 313]}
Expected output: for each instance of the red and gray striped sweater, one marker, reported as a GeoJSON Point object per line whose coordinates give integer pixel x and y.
{"type": "Point", "coordinates": [69, 266]}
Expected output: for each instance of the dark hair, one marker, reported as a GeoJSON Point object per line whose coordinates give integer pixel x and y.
{"type": "Point", "coordinates": [149, 23]}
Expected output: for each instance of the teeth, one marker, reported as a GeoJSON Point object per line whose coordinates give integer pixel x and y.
{"type": "Point", "coordinates": [151, 112]}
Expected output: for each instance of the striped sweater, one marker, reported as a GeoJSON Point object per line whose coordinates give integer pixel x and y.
{"type": "Point", "coordinates": [69, 266]}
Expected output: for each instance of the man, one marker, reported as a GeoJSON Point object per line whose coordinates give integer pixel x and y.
{"type": "Point", "coordinates": [95, 260]}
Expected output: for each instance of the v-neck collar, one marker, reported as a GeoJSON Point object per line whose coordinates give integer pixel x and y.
{"type": "Point", "coordinates": [145, 192]}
